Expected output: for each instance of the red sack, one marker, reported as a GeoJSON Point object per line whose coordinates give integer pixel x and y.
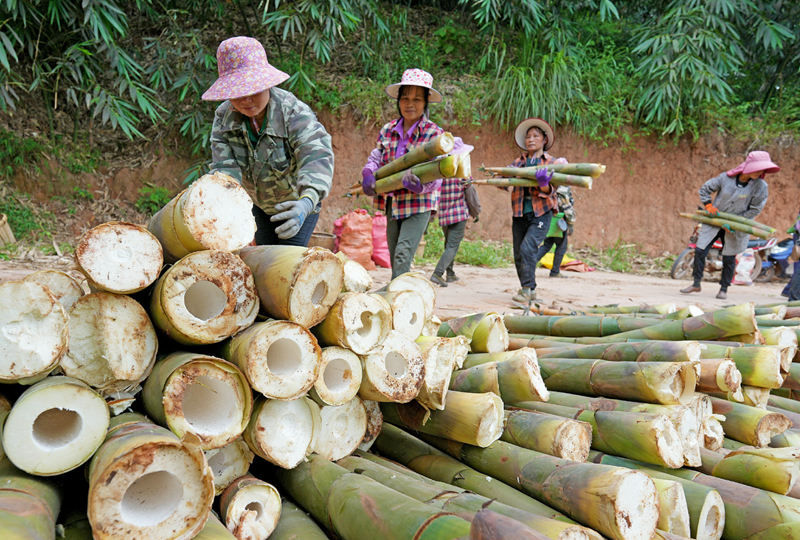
{"type": "Point", "coordinates": [355, 237]}
{"type": "Point", "coordinates": [380, 247]}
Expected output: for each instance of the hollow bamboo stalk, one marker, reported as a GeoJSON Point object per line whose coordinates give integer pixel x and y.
{"type": "Point", "coordinates": [575, 326]}
{"type": "Point", "coordinates": [778, 311]}
{"type": "Point", "coordinates": [339, 376]}
{"type": "Point", "coordinates": [735, 225]}
{"type": "Point", "coordinates": [283, 432]}
{"type": "Point", "coordinates": [426, 172]}
{"type": "Point", "coordinates": [585, 169]}
{"type": "Point", "coordinates": [357, 321]}
{"type": "Point", "coordinates": [719, 375]}
{"type": "Point", "coordinates": [341, 429]}
{"type": "Point", "coordinates": [739, 219]}
{"type": "Point", "coordinates": [29, 506]}
{"type": "Point", "coordinates": [250, 508]}
{"type": "Point", "coordinates": [486, 331]}
{"type": "Point", "coordinates": [749, 425]}
{"type": "Point", "coordinates": [408, 311]}
{"type": "Point", "coordinates": [374, 424]}
{"type": "Point", "coordinates": [643, 351]}
{"type": "Point", "coordinates": [229, 463]}
{"type": "Point", "coordinates": [549, 434]}
{"type": "Point", "coordinates": [295, 524]}
{"type": "Point", "coordinates": [419, 283]}
{"type": "Point", "coordinates": [394, 371]}
{"type": "Point", "coordinates": [673, 515]}
{"type": "Point", "coordinates": [517, 379]}
{"type": "Point", "coordinates": [470, 418]}
{"type": "Point", "coordinates": [771, 469]}
{"type": "Point", "coordinates": [438, 146]}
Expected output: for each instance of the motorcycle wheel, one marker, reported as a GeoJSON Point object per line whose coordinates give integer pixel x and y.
{"type": "Point", "coordinates": [766, 275]}
{"type": "Point", "coordinates": [756, 267]}
{"type": "Point", "coordinates": [683, 265]}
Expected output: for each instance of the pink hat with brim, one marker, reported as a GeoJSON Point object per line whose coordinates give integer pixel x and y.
{"type": "Point", "coordinates": [243, 70]}
{"type": "Point", "coordinates": [756, 161]}
{"type": "Point", "coordinates": [415, 77]}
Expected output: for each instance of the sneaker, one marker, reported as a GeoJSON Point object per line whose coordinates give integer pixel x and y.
{"type": "Point", "coordinates": [690, 289]}
{"type": "Point", "coordinates": [436, 278]}
{"type": "Point", "coordinates": [451, 277]}
{"type": "Point", "coordinates": [722, 294]}
{"type": "Point", "coordinates": [558, 275]}
{"type": "Point", "coordinates": [524, 295]}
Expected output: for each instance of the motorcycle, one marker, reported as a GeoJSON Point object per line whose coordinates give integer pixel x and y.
{"type": "Point", "coordinates": [776, 265]}
{"type": "Point", "coordinates": [684, 263]}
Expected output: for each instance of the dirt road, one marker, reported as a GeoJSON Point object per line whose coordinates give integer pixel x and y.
{"type": "Point", "coordinates": [485, 289]}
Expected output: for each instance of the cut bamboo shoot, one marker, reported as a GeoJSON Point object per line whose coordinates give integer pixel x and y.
{"type": "Point", "coordinates": [438, 146]}
{"type": "Point", "coordinates": [440, 356]}
{"type": "Point", "coordinates": [374, 424]}
{"type": "Point", "coordinates": [283, 432]}
{"type": "Point", "coordinates": [251, 508]}
{"type": "Point", "coordinates": [486, 331]}
{"type": "Point", "coordinates": [408, 312]}
{"type": "Point", "coordinates": [392, 372]}
{"type": "Point", "coordinates": [342, 428]}
{"type": "Point", "coordinates": [547, 433]}
{"type": "Point", "coordinates": [229, 463]}
{"type": "Point", "coordinates": [357, 321]}
{"type": "Point", "coordinates": [356, 277]}
{"type": "Point", "coordinates": [339, 376]}
{"type": "Point", "coordinates": [419, 283]}
{"type": "Point", "coordinates": [63, 286]}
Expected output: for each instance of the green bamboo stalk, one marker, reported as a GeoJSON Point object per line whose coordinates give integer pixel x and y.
{"type": "Point", "coordinates": [673, 516]}
{"type": "Point", "coordinates": [575, 326]}
{"type": "Point", "coordinates": [350, 504]}
{"type": "Point", "coordinates": [558, 179]}
{"type": "Point", "coordinates": [549, 434]}
{"type": "Point", "coordinates": [759, 366]}
{"type": "Point", "coordinates": [470, 418]}
{"type": "Point", "coordinates": [485, 330]}
{"type": "Point", "coordinates": [438, 146]}
{"type": "Point", "coordinates": [29, 505]}
{"type": "Point", "coordinates": [426, 172]}
{"type": "Point", "coordinates": [295, 524]}
{"type": "Point", "coordinates": [788, 304]}
{"type": "Point", "coordinates": [786, 404]}
{"type": "Point", "coordinates": [749, 425]}
{"type": "Point", "coordinates": [779, 311]}
{"type": "Point", "coordinates": [653, 382]}
{"type": "Point", "coordinates": [771, 469]}
{"type": "Point", "coordinates": [424, 459]}
{"type": "Point", "coordinates": [792, 380]}
{"type": "Point", "coordinates": [720, 375]}
{"type": "Point", "coordinates": [562, 173]}
{"type": "Point", "coordinates": [790, 437]}
{"type": "Point", "coordinates": [587, 169]}
{"type": "Point", "coordinates": [517, 379]}
{"type": "Point", "coordinates": [646, 437]}
{"type": "Point", "coordinates": [214, 530]}
{"type": "Point", "coordinates": [643, 351]}
{"type": "Point", "coordinates": [738, 219]}
{"type": "Point", "coordinates": [657, 309]}
{"type": "Point", "coordinates": [735, 225]}
{"type": "Point", "coordinates": [478, 359]}
{"type": "Point", "coordinates": [604, 498]}
{"type": "Point", "coordinates": [784, 530]}
{"type": "Point", "coordinates": [767, 322]}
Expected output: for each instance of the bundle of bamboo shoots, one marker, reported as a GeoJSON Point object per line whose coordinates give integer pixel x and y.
{"type": "Point", "coordinates": [761, 231]}
{"type": "Point", "coordinates": [569, 174]}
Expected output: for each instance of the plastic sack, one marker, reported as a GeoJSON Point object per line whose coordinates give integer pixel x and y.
{"type": "Point", "coordinates": [380, 247]}
{"type": "Point", "coordinates": [355, 237]}
{"type": "Point", "coordinates": [745, 261]}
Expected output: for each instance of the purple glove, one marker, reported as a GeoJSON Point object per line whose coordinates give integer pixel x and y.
{"type": "Point", "coordinates": [412, 183]}
{"type": "Point", "coordinates": [543, 178]}
{"type": "Point", "coordinates": [368, 182]}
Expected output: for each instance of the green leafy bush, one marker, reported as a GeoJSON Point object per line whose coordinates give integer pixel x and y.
{"type": "Point", "coordinates": [152, 199]}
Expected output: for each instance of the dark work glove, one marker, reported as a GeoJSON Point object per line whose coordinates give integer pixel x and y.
{"type": "Point", "coordinates": [293, 214]}
{"type": "Point", "coordinates": [412, 183]}
{"type": "Point", "coordinates": [543, 177]}
{"type": "Point", "coordinates": [368, 182]}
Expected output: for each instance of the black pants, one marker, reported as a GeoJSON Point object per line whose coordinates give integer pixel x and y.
{"type": "Point", "coordinates": [728, 263]}
{"type": "Point", "coordinates": [528, 234]}
{"type": "Point", "coordinates": [558, 255]}
{"type": "Point", "coordinates": [265, 230]}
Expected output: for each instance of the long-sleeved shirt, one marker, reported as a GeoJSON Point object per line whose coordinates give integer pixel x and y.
{"type": "Point", "coordinates": [292, 156]}
{"type": "Point", "coordinates": [540, 202]}
{"type": "Point", "coordinates": [452, 204]}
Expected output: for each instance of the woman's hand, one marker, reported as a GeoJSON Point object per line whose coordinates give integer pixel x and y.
{"type": "Point", "coordinates": [412, 182]}
{"type": "Point", "coordinates": [368, 182]}
{"type": "Point", "coordinates": [543, 177]}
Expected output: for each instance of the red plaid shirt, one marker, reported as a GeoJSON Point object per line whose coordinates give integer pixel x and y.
{"type": "Point", "coordinates": [404, 202]}
{"type": "Point", "coordinates": [541, 202]}
{"type": "Point", "coordinates": [452, 205]}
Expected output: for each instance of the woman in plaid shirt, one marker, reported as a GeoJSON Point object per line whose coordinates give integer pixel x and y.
{"type": "Point", "coordinates": [453, 214]}
{"type": "Point", "coordinates": [532, 207]}
{"type": "Point", "coordinates": [407, 210]}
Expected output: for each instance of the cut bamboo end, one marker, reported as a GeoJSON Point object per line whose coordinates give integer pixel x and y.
{"type": "Point", "coordinates": [712, 432]}
{"type": "Point", "coordinates": [251, 508]}
{"type": "Point", "coordinates": [113, 344]}
{"type": "Point", "coordinates": [439, 357]}
{"type": "Point", "coordinates": [356, 277]}
{"type": "Point", "coordinates": [204, 298]}
{"type": "Point", "coordinates": [464, 169]}
{"type": "Point", "coordinates": [673, 514]}
{"type": "Point", "coordinates": [63, 286]}
{"type": "Point", "coordinates": [35, 330]}
{"type": "Point", "coordinates": [431, 328]}
{"type": "Point", "coordinates": [754, 396]}
{"type": "Point", "coordinates": [668, 442]}
{"type": "Point", "coordinates": [281, 359]}
{"type": "Point", "coordinates": [357, 321]}
{"type": "Point", "coordinates": [145, 483]}
{"type": "Point", "coordinates": [689, 432]}
{"type": "Point", "coordinates": [633, 502]}
{"type": "Point", "coordinates": [55, 426]}
{"type": "Point", "coordinates": [393, 371]}
{"type": "Point", "coordinates": [229, 463]}
{"type": "Point", "coordinates": [572, 440]}
{"type": "Point", "coordinates": [6, 234]}
{"type": "Point", "coordinates": [119, 257]}
{"type": "Point", "coordinates": [339, 376]}
{"type": "Point", "coordinates": [283, 432]}
{"type": "Point", "coordinates": [719, 375]}
{"type": "Point", "coordinates": [408, 312]}
{"type": "Point", "coordinates": [342, 428]}
{"type": "Point", "coordinates": [419, 283]}
{"type": "Point", "coordinates": [677, 382]}
{"type": "Point", "coordinates": [711, 519]}
{"type": "Point", "coordinates": [374, 424]}
{"type": "Point", "coordinates": [770, 425]}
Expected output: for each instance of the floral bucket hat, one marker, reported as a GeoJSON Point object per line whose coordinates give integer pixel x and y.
{"type": "Point", "coordinates": [243, 70]}
{"type": "Point", "coordinates": [415, 77]}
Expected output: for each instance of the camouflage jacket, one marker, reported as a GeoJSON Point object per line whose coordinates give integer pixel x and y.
{"type": "Point", "coordinates": [292, 158]}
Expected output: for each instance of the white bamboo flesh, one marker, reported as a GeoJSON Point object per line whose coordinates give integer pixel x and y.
{"type": "Point", "coordinates": [204, 298]}
{"type": "Point", "coordinates": [431, 327]}
{"type": "Point", "coordinates": [419, 283]}
{"type": "Point", "coordinates": [357, 321]}
{"type": "Point", "coordinates": [342, 428]}
{"type": "Point", "coordinates": [228, 463]}
{"type": "Point", "coordinates": [63, 286]}
{"type": "Point", "coordinates": [439, 356]}
{"type": "Point", "coordinates": [283, 432]}
{"type": "Point", "coordinates": [281, 359]}
{"type": "Point", "coordinates": [119, 257]}
{"type": "Point", "coordinates": [673, 510]}
{"type": "Point", "coordinates": [55, 426]}
{"type": "Point", "coordinates": [374, 423]}
{"type": "Point", "coordinates": [215, 212]}
{"type": "Point", "coordinates": [491, 335]}
{"type": "Point", "coordinates": [408, 312]}
{"type": "Point", "coordinates": [339, 376]}
{"type": "Point", "coordinates": [755, 396]}
{"type": "Point", "coordinates": [392, 372]}
{"type": "Point", "coordinates": [711, 522]}
{"type": "Point", "coordinates": [356, 277]}
{"type": "Point", "coordinates": [251, 508]}
{"type": "Point", "coordinates": [112, 344]}
{"type": "Point", "coordinates": [785, 339]}
{"type": "Point", "coordinates": [295, 283]}
{"type": "Point", "coordinates": [33, 330]}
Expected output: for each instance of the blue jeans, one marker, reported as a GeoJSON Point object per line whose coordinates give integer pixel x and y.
{"type": "Point", "coordinates": [528, 233]}
{"type": "Point", "coordinates": [265, 229]}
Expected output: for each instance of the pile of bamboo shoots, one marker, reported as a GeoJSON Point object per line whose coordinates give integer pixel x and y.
{"type": "Point", "coordinates": [563, 174]}
{"type": "Point", "coordinates": [731, 221]}
{"type": "Point", "coordinates": [247, 394]}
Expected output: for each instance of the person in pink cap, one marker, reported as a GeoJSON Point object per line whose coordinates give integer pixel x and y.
{"type": "Point", "coordinates": [407, 210]}
{"type": "Point", "coordinates": [741, 191]}
{"type": "Point", "coordinates": [270, 141]}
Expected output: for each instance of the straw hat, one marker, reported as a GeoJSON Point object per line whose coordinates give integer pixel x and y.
{"type": "Point", "coordinates": [415, 77]}
{"type": "Point", "coordinates": [243, 70]}
{"type": "Point", "coordinates": [755, 161]}
{"type": "Point", "coordinates": [525, 125]}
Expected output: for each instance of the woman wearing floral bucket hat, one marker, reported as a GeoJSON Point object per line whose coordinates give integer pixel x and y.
{"type": "Point", "coordinates": [408, 210]}
{"type": "Point", "coordinates": [532, 207]}
{"type": "Point", "coordinates": [270, 141]}
{"type": "Point", "coordinates": [741, 191]}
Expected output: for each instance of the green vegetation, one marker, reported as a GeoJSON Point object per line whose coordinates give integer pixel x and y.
{"type": "Point", "coordinates": [152, 199]}
{"type": "Point", "coordinates": [27, 220]}
{"type": "Point", "coordinates": [625, 257]}
{"type": "Point", "coordinates": [471, 252]}
{"type": "Point", "coordinates": [18, 153]}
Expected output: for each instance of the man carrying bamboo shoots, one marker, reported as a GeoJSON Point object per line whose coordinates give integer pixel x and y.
{"type": "Point", "coordinates": [741, 191]}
